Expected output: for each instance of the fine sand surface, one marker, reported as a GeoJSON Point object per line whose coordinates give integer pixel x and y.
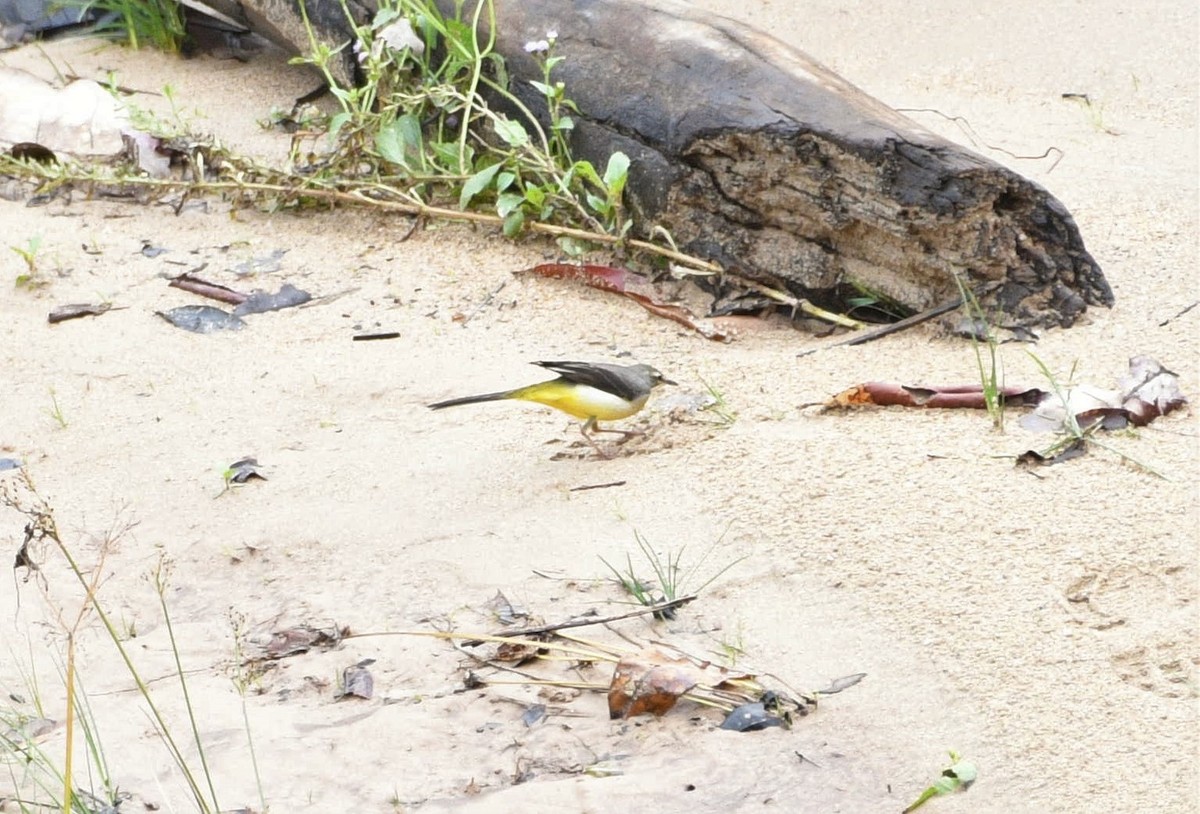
{"type": "Point", "coordinates": [1043, 625]}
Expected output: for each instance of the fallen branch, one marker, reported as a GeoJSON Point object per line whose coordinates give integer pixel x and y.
{"type": "Point", "coordinates": [540, 630]}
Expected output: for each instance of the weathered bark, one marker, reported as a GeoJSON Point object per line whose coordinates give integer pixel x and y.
{"type": "Point", "coordinates": [757, 157]}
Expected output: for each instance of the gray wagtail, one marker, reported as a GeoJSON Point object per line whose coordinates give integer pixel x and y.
{"type": "Point", "coordinates": [587, 390]}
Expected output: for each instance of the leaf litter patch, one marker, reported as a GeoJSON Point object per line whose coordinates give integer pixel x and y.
{"type": "Point", "coordinates": [209, 319]}
{"type": "Point", "coordinates": [1147, 391]}
{"type": "Point", "coordinates": [638, 679]}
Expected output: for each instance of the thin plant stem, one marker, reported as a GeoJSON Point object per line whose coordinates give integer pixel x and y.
{"type": "Point", "coordinates": [262, 798]}
{"type": "Point", "coordinates": [143, 689]}
{"type": "Point", "coordinates": [161, 588]}
{"type": "Point", "coordinates": [68, 782]}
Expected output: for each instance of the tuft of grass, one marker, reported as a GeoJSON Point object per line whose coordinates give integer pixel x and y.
{"type": "Point", "coordinates": [1072, 431]}
{"type": "Point", "coordinates": [987, 355]}
{"type": "Point", "coordinates": [137, 23]}
{"type": "Point", "coordinates": [725, 415]}
{"type": "Point", "coordinates": [671, 580]}
{"type": "Point", "coordinates": [1094, 111]}
{"type": "Point", "coordinates": [732, 648]}
{"type": "Point", "coordinates": [43, 775]}
{"type": "Point", "coordinates": [55, 410]}
{"type": "Point", "coordinates": [28, 253]}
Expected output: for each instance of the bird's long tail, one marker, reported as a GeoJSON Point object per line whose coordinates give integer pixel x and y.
{"type": "Point", "coordinates": [505, 394]}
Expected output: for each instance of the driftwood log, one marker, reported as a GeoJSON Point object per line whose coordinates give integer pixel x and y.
{"type": "Point", "coordinates": [755, 156]}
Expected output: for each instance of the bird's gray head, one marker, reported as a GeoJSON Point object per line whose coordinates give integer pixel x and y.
{"type": "Point", "coordinates": [656, 378]}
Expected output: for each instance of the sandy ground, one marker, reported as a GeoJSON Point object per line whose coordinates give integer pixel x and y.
{"type": "Point", "coordinates": [1043, 626]}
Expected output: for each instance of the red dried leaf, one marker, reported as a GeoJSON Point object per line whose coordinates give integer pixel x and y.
{"type": "Point", "coordinates": [650, 681]}
{"type": "Point", "coordinates": [955, 396]}
{"type": "Point", "coordinates": [624, 282]}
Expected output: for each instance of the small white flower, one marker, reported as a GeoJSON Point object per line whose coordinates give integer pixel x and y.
{"type": "Point", "coordinates": [552, 35]}
{"type": "Point", "coordinates": [538, 47]}
{"type": "Point", "coordinates": [400, 35]}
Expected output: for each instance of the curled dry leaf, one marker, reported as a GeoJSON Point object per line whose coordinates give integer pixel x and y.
{"type": "Point", "coordinates": [202, 319]}
{"type": "Point", "coordinates": [64, 312]}
{"type": "Point", "coordinates": [1032, 458]}
{"type": "Point", "coordinates": [631, 285]}
{"type": "Point", "coordinates": [843, 683]}
{"type": "Point", "coordinates": [1147, 391]}
{"type": "Point", "coordinates": [260, 302]}
{"type": "Point", "coordinates": [751, 718]}
{"type": "Point", "coordinates": [300, 639]}
{"type": "Point", "coordinates": [515, 653]}
{"type": "Point", "coordinates": [955, 396]}
{"type": "Point", "coordinates": [358, 681]}
{"type": "Point", "coordinates": [505, 612]}
{"type": "Point", "coordinates": [650, 681]}
{"type": "Point", "coordinates": [244, 470]}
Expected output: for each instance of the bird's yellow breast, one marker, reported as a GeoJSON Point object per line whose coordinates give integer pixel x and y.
{"type": "Point", "coordinates": [580, 400]}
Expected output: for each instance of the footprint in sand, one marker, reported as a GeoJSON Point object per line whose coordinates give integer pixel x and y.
{"type": "Point", "coordinates": [1144, 613]}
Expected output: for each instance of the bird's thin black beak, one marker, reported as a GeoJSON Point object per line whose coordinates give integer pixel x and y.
{"type": "Point", "coordinates": [665, 380]}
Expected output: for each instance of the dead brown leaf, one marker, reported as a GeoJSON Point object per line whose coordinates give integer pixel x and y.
{"type": "Point", "coordinates": [650, 681]}
{"type": "Point", "coordinates": [631, 285]}
{"type": "Point", "coordinates": [301, 639]}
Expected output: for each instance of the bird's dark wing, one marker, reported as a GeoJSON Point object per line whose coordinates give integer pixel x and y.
{"type": "Point", "coordinates": [613, 379]}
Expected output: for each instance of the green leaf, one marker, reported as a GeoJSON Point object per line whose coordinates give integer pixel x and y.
{"type": "Point", "coordinates": [585, 170]}
{"type": "Point", "coordinates": [507, 203]}
{"type": "Point", "coordinates": [573, 246]}
{"type": "Point", "coordinates": [616, 174]}
{"type": "Point", "coordinates": [446, 155]}
{"type": "Point", "coordinates": [542, 88]}
{"type": "Point", "coordinates": [505, 180]}
{"type": "Point", "coordinates": [959, 775]}
{"type": "Point", "coordinates": [476, 184]}
{"type": "Point", "coordinates": [511, 131]}
{"type": "Point", "coordinates": [514, 222]}
{"type": "Point", "coordinates": [336, 123]}
{"type": "Point", "coordinates": [535, 195]}
{"type": "Point", "coordinates": [461, 32]}
{"type": "Point", "coordinates": [401, 143]}
{"type": "Point", "coordinates": [599, 205]}
{"type": "Point", "coordinates": [965, 771]}
{"type": "Point", "coordinates": [383, 17]}
{"type": "Point", "coordinates": [390, 144]}
{"type": "Point", "coordinates": [564, 123]}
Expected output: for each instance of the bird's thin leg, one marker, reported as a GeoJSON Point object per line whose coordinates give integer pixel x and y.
{"type": "Point", "coordinates": [626, 433]}
{"type": "Point", "coordinates": [586, 429]}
